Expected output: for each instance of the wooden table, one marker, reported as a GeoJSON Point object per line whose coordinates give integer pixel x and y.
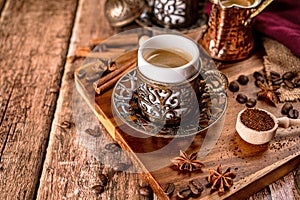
{"type": "Point", "coordinates": [47, 144]}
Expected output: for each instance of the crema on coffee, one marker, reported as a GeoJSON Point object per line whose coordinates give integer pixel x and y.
{"type": "Point", "coordinates": [168, 58]}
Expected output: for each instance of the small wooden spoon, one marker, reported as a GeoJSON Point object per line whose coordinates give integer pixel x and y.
{"type": "Point", "coordinates": [261, 137]}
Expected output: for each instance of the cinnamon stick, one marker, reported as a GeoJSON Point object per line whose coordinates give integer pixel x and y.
{"type": "Point", "coordinates": [110, 80]}
{"type": "Point", "coordinates": [114, 73]}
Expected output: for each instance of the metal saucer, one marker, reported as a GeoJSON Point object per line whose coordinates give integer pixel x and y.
{"type": "Point", "coordinates": [125, 108]}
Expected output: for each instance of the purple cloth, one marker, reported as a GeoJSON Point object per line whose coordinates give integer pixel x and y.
{"type": "Point", "coordinates": [281, 21]}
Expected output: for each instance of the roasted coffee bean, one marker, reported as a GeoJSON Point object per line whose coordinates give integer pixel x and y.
{"type": "Point", "coordinates": [120, 167]}
{"type": "Point", "coordinates": [112, 147]}
{"type": "Point", "coordinates": [234, 86]}
{"type": "Point", "coordinates": [54, 89]}
{"type": "Point", "coordinates": [196, 186]}
{"type": "Point", "coordinates": [277, 81]}
{"type": "Point", "coordinates": [256, 82]}
{"type": "Point", "coordinates": [103, 179]}
{"type": "Point", "coordinates": [92, 77]}
{"type": "Point", "coordinates": [145, 191]}
{"type": "Point", "coordinates": [98, 189]}
{"type": "Point", "coordinates": [293, 113]}
{"type": "Point", "coordinates": [96, 132]}
{"type": "Point", "coordinates": [169, 189]}
{"type": "Point", "coordinates": [288, 76]}
{"type": "Point", "coordinates": [184, 193]}
{"type": "Point", "coordinates": [260, 78]}
{"type": "Point", "coordinates": [251, 103]}
{"type": "Point", "coordinates": [81, 73]}
{"type": "Point", "coordinates": [241, 98]}
{"type": "Point", "coordinates": [274, 75]}
{"type": "Point", "coordinates": [257, 74]}
{"type": "Point", "coordinates": [297, 82]}
{"type": "Point", "coordinates": [286, 108]}
{"type": "Point", "coordinates": [243, 80]}
{"type": "Point", "coordinates": [288, 84]}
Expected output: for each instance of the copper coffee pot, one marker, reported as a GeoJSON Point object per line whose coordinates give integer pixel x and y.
{"type": "Point", "coordinates": [229, 35]}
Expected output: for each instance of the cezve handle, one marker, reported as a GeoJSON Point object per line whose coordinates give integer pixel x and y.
{"type": "Point", "coordinates": [286, 122]}
{"type": "Point", "coordinates": [257, 11]}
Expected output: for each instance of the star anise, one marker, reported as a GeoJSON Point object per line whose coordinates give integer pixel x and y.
{"type": "Point", "coordinates": [268, 93]}
{"type": "Point", "coordinates": [219, 180]}
{"type": "Point", "coordinates": [187, 162]}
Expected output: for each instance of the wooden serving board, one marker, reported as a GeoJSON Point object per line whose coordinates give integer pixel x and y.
{"type": "Point", "coordinates": [256, 166]}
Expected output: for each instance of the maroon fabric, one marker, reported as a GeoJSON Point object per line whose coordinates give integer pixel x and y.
{"type": "Point", "coordinates": [280, 21]}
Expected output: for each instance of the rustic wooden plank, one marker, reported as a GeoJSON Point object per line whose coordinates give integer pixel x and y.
{"type": "Point", "coordinates": [75, 155]}
{"type": "Point", "coordinates": [33, 40]}
{"type": "Point", "coordinates": [287, 183]}
{"type": "Point", "coordinates": [2, 3]}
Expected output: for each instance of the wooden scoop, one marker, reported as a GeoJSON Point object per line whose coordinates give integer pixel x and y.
{"type": "Point", "coordinates": [261, 137]}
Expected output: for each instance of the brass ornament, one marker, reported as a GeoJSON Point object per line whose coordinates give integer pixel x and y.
{"type": "Point", "coordinates": [123, 12]}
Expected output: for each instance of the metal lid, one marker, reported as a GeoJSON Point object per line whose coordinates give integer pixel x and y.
{"type": "Point", "coordinates": [122, 12]}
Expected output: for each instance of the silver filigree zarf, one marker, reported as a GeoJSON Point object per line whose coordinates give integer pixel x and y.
{"type": "Point", "coordinates": [170, 11]}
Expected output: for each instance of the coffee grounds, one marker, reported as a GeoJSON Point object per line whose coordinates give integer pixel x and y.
{"type": "Point", "coordinates": [257, 120]}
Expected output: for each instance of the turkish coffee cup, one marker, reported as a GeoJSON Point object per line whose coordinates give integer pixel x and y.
{"type": "Point", "coordinates": [167, 74]}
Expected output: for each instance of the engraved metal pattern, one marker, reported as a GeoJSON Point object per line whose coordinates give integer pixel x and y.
{"type": "Point", "coordinates": [212, 104]}
{"type": "Point", "coordinates": [122, 12]}
{"type": "Point", "coordinates": [227, 38]}
{"type": "Point", "coordinates": [175, 13]}
{"type": "Point", "coordinates": [166, 103]}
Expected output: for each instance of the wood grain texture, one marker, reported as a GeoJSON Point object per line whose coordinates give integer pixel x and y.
{"type": "Point", "coordinates": [2, 3]}
{"type": "Point", "coordinates": [255, 166]}
{"type": "Point", "coordinates": [76, 156]}
{"type": "Point", "coordinates": [33, 40]}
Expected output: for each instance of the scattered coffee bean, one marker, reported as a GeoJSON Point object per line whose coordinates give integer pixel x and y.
{"type": "Point", "coordinates": [288, 76]}
{"type": "Point", "coordinates": [169, 189]}
{"type": "Point", "coordinates": [81, 73]}
{"type": "Point", "coordinates": [251, 103]}
{"type": "Point", "coordinates": [289, 84]}
{"type": "Point", "coordinates": [234, 86]}
{"type": "Point", "coordinates": [96, 132]}
{"type": "Point", "coordinates": [103, 179]}
{"type": "Point", "coordinates": [196, 186]}
{"type": "Point", "coordinates": [260, 78]}
{"type": "Point", "coordinates": [243, 80]}
{"type": "Point", "coordinates": [184, 193]}
{"type": "Point", "coordinates": [258, 81]}
{"type": "Point", "coordinates": [145, 191]}
{"type": "Point", "coordinates": [65, 125]}
{"type": "Point", "coordinates": [92, 77]}
{"type": "Point", "coordinates": [277, 81]}
{"type": "Point", "coordinates": [297, 82]}
{"type": "Point", "coordinates": [274, 75]}
{"type": "Point", "coordinates": [54, 89]}
{"type": "Point", "coordinates": [241, 98]}
{"type": "Point", "coordinates": [286, 108]}
{"type": "Point", "coordinates": [293, 113]}
{"type": "Point", "coordinates": [112, 147]}
{"type": "Point", "coordinates": [98, 189]}
{"type": "Point", "coordinates": [120, 167]}
{"type": "Point", "coordinates": [257, 74]}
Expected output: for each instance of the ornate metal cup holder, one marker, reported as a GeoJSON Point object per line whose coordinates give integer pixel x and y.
{"type": "Point", "coordinates": [212, 106]}
{"type": "Point", "coordinates": [147, 21]}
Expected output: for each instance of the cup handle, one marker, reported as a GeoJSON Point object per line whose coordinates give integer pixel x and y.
{"type": "Point", "coordinates": [217, 80]}
{"type": "Point", "coordinates": [286, 122]}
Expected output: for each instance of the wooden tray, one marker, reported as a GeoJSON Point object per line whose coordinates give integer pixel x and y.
{"type": "Point", "coordinates": [255, 166]}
